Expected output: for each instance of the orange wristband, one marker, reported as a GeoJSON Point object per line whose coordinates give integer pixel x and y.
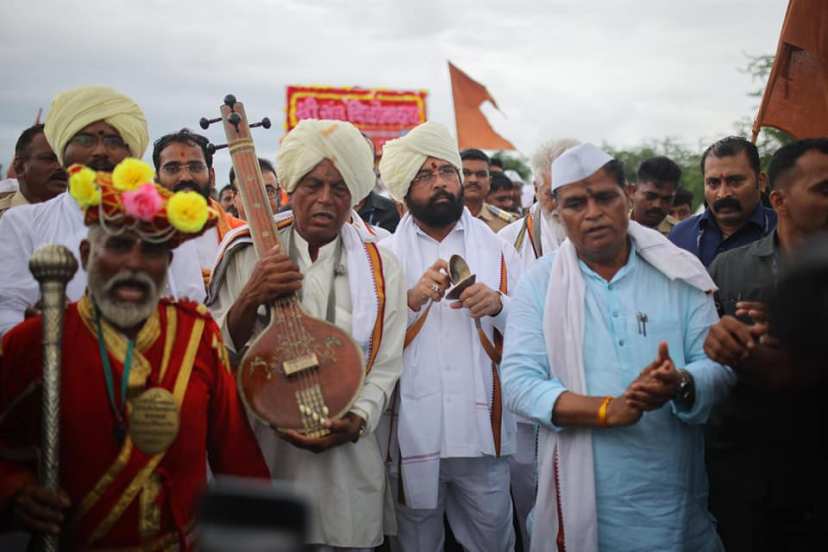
{"type": "Point", "coordinates": [602, 411]}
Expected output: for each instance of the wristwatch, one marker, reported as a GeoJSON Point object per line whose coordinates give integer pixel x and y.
{"type": "Point", "coordinates": [685, 394]}
{"type": "Point", "coordinates": [363, 429]}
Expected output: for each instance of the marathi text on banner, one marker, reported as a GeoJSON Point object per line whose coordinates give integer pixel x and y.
{"type": "Point", "coordinates": [381, 114]}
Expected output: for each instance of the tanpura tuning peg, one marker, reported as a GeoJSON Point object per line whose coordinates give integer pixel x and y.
{"type": "Point", "coordinates": [211, 148]}
{"type": "Point", "coordinates": [230, 100]}
{"type": "Point", "coordinates": [204, 122]}
{"type": "Point", "coordinates": [235, 120]}
{"type": "Point", "coordinates": [264, 123]}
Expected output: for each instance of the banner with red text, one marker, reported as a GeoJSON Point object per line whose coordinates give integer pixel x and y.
{"type": "Point", "coordinates": [381, 114]}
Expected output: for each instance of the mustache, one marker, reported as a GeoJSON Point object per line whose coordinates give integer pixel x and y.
{"type": "Point", "coordinates": [727, 203]}
{"type": "Point", "coordinates": [441, 194]}
{"type": "Point", "coordinates": [189, 185]}
{"type": "Point", "coordinates": [132, 278]}
{"type": "Point", "coordinates": [59, 174]}
{"type": "Point", "coordinates": [101, 164]}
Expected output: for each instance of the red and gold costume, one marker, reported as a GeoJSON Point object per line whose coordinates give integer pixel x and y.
{"type": "Point", "coordinates": [121, 497]}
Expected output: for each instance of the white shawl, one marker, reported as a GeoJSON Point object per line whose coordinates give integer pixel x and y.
{"type": "Point", "coordinates": [419, 427]}
{"type": "Point", "coordinates": [564, 334]}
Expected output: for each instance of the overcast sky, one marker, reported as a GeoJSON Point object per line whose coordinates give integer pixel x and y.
{"type": "Point", "coordinates": [620, 71]}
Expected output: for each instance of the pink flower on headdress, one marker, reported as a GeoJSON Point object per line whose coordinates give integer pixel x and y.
{"type": "Point", "coordinates": [143, 203]}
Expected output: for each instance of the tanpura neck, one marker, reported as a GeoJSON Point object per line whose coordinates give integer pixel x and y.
{"type": "Point", "coordinates": [437, 234]}
{"type": "Point", "coordinates": [474, 207]}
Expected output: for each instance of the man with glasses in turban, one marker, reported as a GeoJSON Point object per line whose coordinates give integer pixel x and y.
{"type": "Point", "coordinates": [453, 436]}
{"type": "Point", "coordinates": [98, 127]}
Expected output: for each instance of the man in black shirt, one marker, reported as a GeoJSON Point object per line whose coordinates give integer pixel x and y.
{"type": "Point", "coordinates": [764, 478]}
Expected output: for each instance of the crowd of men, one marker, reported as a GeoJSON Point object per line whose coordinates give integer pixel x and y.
{"type": "Point", "coordinates": [621, 375]}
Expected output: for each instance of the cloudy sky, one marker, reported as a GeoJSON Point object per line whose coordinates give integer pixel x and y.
{"type": "Point", "coordinates": [620, 71]}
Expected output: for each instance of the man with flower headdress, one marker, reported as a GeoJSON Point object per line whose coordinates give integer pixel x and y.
{"type": "Point", "coordinates": [98, 127]}
{"type": "Point", "coordinates": [453, 436]}
{"type": "Point", "coordinates": [146, 389]}
{"type": "Point", "coordinates": [344, 277]}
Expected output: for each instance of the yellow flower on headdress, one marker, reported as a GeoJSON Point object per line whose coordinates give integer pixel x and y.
{"type": "Point", "coordinates": [82, 186]}
{"type": "Point", "coordinates": [187, 211]}
{"type": "Point", "coordinates": [130, 174]}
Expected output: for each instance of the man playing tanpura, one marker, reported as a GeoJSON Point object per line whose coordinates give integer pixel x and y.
{"type": "Point", "coordinates": [342, 276]}
{"type": "Point", "coordinates": [129, 479]}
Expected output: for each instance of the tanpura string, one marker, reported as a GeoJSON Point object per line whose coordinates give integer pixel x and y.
{"type": "Point", "coordinates": [297, 333]}
{"type": "Point", "coordinates": [312, 376]}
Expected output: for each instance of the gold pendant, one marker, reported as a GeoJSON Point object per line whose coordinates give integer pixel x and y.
{"type": "Point", "coordinates": [153, 420]}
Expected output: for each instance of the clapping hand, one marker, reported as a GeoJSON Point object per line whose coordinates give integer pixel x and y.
{"type": "Point", "coordinates": [656, 384]}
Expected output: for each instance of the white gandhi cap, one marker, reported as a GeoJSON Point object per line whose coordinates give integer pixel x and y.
{"type": "Point", "coordinates": [577, 163]}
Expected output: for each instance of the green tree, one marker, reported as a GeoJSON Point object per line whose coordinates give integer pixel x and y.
{"type": "Point", "coordinates": [687, 159]}
{"type": "Point", "coordinates": [768, 141]}
{"type": "Point", "coordinates": [516, 163]}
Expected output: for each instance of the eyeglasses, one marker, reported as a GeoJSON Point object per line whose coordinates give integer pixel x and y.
{"type": "Point", "coordinates": [110, 141]}
{"type": "Point", "coordinates": [479, 174]}
{"type": "Point", "coordinates": [446, 172]}
{"type": "Point", "coordinates": [174, 168]}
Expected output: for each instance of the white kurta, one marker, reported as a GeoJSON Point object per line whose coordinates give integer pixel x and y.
{"type": "Point", "coordinates": [446, 387]}
{"type": "Point", "coordinates": [60, 220]}
{"type": "Point", "coordinates": [350, 498]}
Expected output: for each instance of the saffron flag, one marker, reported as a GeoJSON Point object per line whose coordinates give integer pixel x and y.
{"type": "Point", "coordinates": [796, 96]}
{"type": "Point", "coordinates": [473, 129]}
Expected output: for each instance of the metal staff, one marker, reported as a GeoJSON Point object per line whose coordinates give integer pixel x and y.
{"type": "Point", "coordinates": [52, 266]}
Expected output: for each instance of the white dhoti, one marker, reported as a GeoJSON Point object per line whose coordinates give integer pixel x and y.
{"type": "Point", "coordinates": [473, 494]}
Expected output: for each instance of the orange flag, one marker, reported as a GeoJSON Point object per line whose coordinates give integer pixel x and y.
{"type": "Point", "coordinates": [473, 129]}
{"type": "Point", "coordinates": [796, 97]}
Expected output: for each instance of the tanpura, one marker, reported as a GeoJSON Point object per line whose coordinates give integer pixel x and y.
{"type": "Point", "coordinates": [300, 370]}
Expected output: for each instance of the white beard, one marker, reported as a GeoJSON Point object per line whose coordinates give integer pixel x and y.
{"type": "Point", "coordinates": [117, 313]}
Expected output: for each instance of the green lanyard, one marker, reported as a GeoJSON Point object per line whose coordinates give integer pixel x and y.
{"type": "Point", "coordinates": [110, 386]}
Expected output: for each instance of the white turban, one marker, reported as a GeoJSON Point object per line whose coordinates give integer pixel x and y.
{"type": "Point", "coordinates": [73, 110]}
{"type": "Point", "coordinates": [312, 141]}
{"type": "Point", "coordinates": [403, 158]}
{"type": "Point", "coordinates": [578, 163]}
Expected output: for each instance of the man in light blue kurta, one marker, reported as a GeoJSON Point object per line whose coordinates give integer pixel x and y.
{"type": "Point", "coordinates": [650, 484]}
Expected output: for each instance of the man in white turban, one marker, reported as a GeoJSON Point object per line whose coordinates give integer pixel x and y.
{"type": "Point", "coordinates": [344, 277]}
{"type": "Point", "coordinates": [604, 351]}
{"type": "Point", "coordinates": [98, 127]}
{"type": "Point", "coordinates": [453, 437]}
